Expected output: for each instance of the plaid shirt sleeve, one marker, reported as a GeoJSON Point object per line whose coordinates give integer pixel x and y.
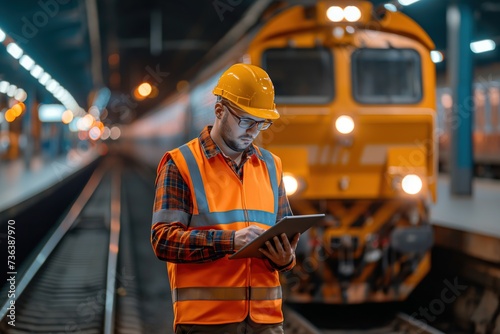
{"type": "Point", "coordinates": [171, 241]}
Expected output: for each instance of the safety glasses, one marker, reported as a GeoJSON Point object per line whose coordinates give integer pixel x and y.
{"type": "Point", "coordinates": [248, 123]}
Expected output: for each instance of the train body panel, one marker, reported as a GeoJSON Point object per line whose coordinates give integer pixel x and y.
{"type": "Point", "coordinates": [356, 134]}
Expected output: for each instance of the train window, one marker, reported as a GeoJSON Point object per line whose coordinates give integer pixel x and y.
{"type": "Point", "coordinates": [386, 76]}
{"type": "Point", "coordinates": [300, 76]}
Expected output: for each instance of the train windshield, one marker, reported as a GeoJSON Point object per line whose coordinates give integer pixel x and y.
{"type": "Point", "coordinates": [300, 76]}
{"type": "Point", "coordinates": [386, 76]}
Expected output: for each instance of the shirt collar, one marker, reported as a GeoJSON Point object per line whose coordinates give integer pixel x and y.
{"type": "Point", "coordinates": [211, 149]}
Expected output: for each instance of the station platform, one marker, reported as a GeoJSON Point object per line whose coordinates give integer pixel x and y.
{"type": "Point", "coordinates": [479, 213]}
{"type": "Point", "coordinates": [19, 181]}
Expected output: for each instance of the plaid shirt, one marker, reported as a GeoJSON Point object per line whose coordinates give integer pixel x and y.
{"type": "Point", "coordinates": [171, 241]}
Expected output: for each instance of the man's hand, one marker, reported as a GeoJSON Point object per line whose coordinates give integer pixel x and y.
{"type": "Point", "coordinates": [282, 252]}
{"type": "Point", "coordinates": [245, 235]}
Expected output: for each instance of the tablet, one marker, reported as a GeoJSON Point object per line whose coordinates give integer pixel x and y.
{"type": "Point", "coordinates": [291, 225]}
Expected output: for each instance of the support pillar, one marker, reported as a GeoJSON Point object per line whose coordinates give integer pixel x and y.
{"type": "Point", "coordinates": [460, 71]}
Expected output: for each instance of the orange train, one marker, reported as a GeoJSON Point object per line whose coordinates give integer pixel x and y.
{"type": "Point", "coordinates": [356, 92]}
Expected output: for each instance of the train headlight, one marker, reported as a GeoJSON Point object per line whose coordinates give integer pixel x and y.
{"type": "Point", "coordinates": [352, 13]}
{"type": "Point", "coordinates": [411, 184]}
{"type": "Point", "coordinates": [335, 13]}
{"type": "Point", "coordinates": [291, 184]}
{"type": "Point", "coordinates": [344, 124]}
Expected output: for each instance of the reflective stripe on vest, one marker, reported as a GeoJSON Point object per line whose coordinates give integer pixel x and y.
{"type": "Point", "coordinates": [242, 293]}
{"type": "Point", "coordinates": [214, 218]}
{"type": "Point", "coordinates": [271, 168]}
{"type": "Point", "coordinates": [169, 216]}
{"type": "Point", "coordinates": [228, 217]}
{"type": "Point", "coordinates": [194, 172]}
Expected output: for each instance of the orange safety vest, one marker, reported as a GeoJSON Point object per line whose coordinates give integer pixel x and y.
{"type": "Point", "coordinates": [226, 291]}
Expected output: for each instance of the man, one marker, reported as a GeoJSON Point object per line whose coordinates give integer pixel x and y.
{"type": "Point", "coordinates": [214, 195]}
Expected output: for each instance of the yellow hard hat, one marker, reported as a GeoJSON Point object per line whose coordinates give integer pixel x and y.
{"type": "Point", "coordinates": [250, 88]}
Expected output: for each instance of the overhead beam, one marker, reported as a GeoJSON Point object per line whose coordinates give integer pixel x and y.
{"type": "Point", "coordinates": [250, 18]}
{"type": "Point", "coordinates": [144, 43]}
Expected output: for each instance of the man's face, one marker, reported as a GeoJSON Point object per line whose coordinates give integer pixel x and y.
{"type": "Point", "coordinates": [237, 138]}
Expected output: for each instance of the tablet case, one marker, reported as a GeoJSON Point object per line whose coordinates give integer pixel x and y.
{"type": "Point", "coordinates": [291, 225]}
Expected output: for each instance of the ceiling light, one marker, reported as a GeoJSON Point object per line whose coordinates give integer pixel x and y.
{"type": "Point", "coordinates": [115, 133]}
{"type": "Point", "coordinates": [67, 116]}
{"type": "Point", "coordinates": [2, 36]}
{"type": "Point", "coordinates": [14, 50]}
{"type": "Point", "coordinates": [59, 93]}
{"type": "Point", "coordinates": [436, 56]}
{"type": "Point", "coordinates": [20, 95]}
{"type": "Point", "coordinates": [11, 91]}
{"type": "Point", "coordinates": [144, 89]}
{"type": "Point", "coordinates": [106, 132]}
{"type": "Point", "coordinates": [65, 97]}
{"type": "Point", "coordinates": [57, 90]}
{"type": "Point", "coordinates": [391, 7]}
{"type": "Point", "coordinates": [36, 71]}
{"type": "Point", "coordinates": [44, 78]}
{"type": "Point", "coordinates": [407, 2]}
{"type": "Point", "coordinates": [52, 85]}
{"type": "Point", "coordinates": [94, 133]}
{"type": "Point", "coordinates": [9, 116]}
{"type": "Point", "coordinates": [26, 62]}
{"type": "Point", "coordinates": [4, 85]}
{"type": "Point", "coordinates": [482, 46]}
{"type": "Point", "coordinates": [50, 112]}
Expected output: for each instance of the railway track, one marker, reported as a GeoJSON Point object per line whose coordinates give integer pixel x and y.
{"type": "Point", "coordinates": [75, 283]}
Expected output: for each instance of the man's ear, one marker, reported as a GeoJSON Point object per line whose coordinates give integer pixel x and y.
{"type": "Point", "coordinates": [218, 110]}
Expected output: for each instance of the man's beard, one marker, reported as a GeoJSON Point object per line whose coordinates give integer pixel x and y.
{"type": "Point", "coordinates": [231, 143]}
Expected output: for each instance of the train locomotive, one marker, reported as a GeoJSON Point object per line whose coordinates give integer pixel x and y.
{"type": "Point", "coordinates": [356, 89]}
